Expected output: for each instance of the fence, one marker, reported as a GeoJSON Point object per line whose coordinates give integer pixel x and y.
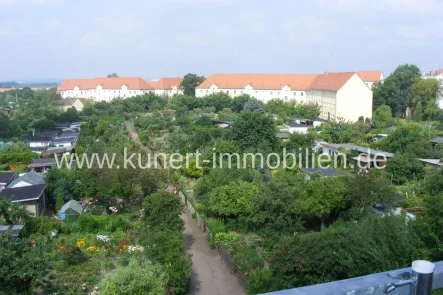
{"type": "Point", "coordinates": [200, 221]}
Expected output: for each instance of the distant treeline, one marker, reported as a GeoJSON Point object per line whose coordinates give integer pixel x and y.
{"type": "Point", "coordinates": [13, 84]}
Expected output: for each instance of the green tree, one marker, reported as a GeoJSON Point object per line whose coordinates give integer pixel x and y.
{"type": "Point", "coordinates": [253, 104]}
{"type": "Point", "coordinates": [134, 279]}
{"type": "Point", "coordinates": [405, 167]}
{"type": "Point", "coordinates": [425, 92]}
{"type": "Point", "coordinates": [13, 213]}
{"type": "Point", "coordinates": [382, 116]}
{"type": "Point", "coordinates": [233, 200]}
{"type": "Point", "coordinates": [60, 201]}
{"type": "Point", "coordinates": [190, 81]}
{"type": "Point", "coordinates": [320, 197]}
{"type": "Point", "coordinates": [166, 205]}
{"type": "Point", "coordinates": [239, 102]}
{"type": "Point", "coordinates": [418, 112]}
{"type": "Point", "coordinates": [20, 264]}
{"type": "Point", "coordinates": [4, 121]}
{"type": "Point", "coordinates": [364, 190]}
{"type": "Point", "coordinates": [113, 75]}
{"type": "Point", "coordinates": [307, 111]}
{"type": "Point", "coordinates": [252, 129]}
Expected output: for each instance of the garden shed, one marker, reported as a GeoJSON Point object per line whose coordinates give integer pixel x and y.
{"type": "Point", "coordinates": [71, 210]}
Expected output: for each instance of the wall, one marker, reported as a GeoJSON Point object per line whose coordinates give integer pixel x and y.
{"type": "Point", "coordinates": [264, 95]}
{"type": "Point", "coordinates": [100, 94]}
{"type": "Point", "coordinates": [327, 102]}
{"type": "Point", "coordinates": [354, 99]}
{"type": "Point", "coordinates": [39, 144]}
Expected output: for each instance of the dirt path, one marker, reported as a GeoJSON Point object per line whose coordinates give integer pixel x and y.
{"type": "Point", "coordinates": [210, 276]}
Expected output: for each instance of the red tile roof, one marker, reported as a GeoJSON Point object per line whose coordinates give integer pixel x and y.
{"type": "Point", "coordinates": [260, 81]}
{"type": "Point", "coordinates": [106, 83]}
{"type": "Point", "coordinates": [165, 83]}
{"type": "Point", "coordinates": [370, 76]}
{"type": "Point", "coordinates": [331, 81]}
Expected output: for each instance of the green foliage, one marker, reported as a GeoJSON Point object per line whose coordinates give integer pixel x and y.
{"type": "Point", "coordinates": [167, 206]}
{"type": "Point", "coordinates": [17, 157]}
{"type": "Point", "coordinates": [216, 226]}
{"type": "Point", "coordinates": [190, 81]}
{"type": "Point", "coordinates": [425, 93]}
{"type": "Point", "coordinates": [307, 111]}
{"type": "Point", "coordinates": [253, 104]}
{"type": "Point", "coordinates": [340, 131]}
{"type": "Point", "coordinates": [60, 201]}
{"type": "Point", "coordinates": [134, 279]}
{"type": "Point", "coordinates": [20, 264]}
{"type": "Point", "coordinates": [405, 167]}
{"type": "Point", "coordinates": [13, 213]}
{"type": "Point", "coordinates": [192, 170]}
{"type": "Point", "coordinates": [73, 256]}
{"type": "Point", "coordinates": [252, 130]}
{"type": "Point", "coordinates": [222, 237]}
{"type": "Point", "coordinates": [232, 200]}
{"type": "Point", "coordinates": [382, 116]}
{"type": "Point", "coordinates": [99, 224]}
{"type": "Point", "coordinates": [41, 225]}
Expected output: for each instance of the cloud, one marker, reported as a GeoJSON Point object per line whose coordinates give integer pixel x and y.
{"type": "Point", "coordinates": [253, 20]}
{"type": "Point", "coordinates": [421, 31]}
{"type": "Point", "coordinates": [370, 30]}
{"type": "Point", "coordinates": [7, 2]}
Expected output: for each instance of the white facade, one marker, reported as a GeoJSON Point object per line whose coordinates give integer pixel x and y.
{"type": "Point", "coordinates": [264, 95]}
{"type": "Point", "coordinates": [38, 144]}
{"type": "Point", "coordinates": [303, 129]}
{"type": "Point", "coordinates": [101, 94]}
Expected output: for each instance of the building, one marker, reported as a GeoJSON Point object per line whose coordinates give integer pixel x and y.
{"type": "Point", "coordinates": [14, 230]}
{"type": "Point", "coordinates": [39, 141]}
{"type": "Point", "coordinates": [28, 179]}
{"type": "Point", "coordinates": [107, 89]}
{"type": "Point", "coordinates": [70, 211]}
{"type": "Point", "coordinates": [438, 75]}
{"type": "Point", "coordinates": [323, 172]}
{"type": "Point", "coordinates": [6, 178]}
{"type": "Point", "coordinates": [339, 95]}
{"type": "Point", "coordinates": [296, 128]}
{"type": "Point", "coordinates": [436, 163]}
{"type": "Point", "coordinates": [42, 164]}
{"type": "Point", "coordinates": [33, 197]}
{"type": "Point", "coordinates": [72, 102]}
{"type": "Point", "coordinates": [370, 77]}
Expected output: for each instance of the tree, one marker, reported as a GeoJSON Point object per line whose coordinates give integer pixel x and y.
{"type": "Point", "coordinates": [190, 81]}
{"type": "Point", "coordinates": [13, 213]}
{"type": "Point", "coordinates": [134, 279]}
{"type": "Point", "coordinates": [382, 116]}
{"type": "Point", "coordinates": [232, 200]}
{"type": "Point", "coordinates": [252, 129]}
{"type": "Point", "coordinates": [238, 102]}
{"type": "Point", "coordinates": [253, 104]}
{"type": "Point", "coordinates": [364, 190]}
{"type": "Point", "coordinates": [113, 75]}
{"type": "Point", "coordinates": [307, 111]}
{"type": "Point", "coordinates": [60, 201]}
{"type": "Point", "coordinates": [418, 112]}
{"type": "Point", "coordinates": [166, 205]}
{"type": "Point", "coordinates": [320, 197]}
{"type": "Point", "coordinates": [405, 167]}
{"type": "Point", "coordinates": [425, 92]}
{"type": "Point", "coordinates": [386, 93]}
{"type": "Point", "coordinates": [4, 120]}
{"type": "Point", "coordinates": [20, 264]}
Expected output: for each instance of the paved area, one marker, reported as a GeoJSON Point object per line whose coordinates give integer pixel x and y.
{"type": "Point", "coordinates": [210, 276]}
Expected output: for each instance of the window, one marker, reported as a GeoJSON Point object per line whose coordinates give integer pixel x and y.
{"type": "Point", "coordinates": [207, 91]}
{"type": "Point", "coordinates": [235, 91]}
{"type": "Point", "coordinates": [256, 92]}
{"type": "Point", "coordinates": [286, 97]}
{"type": "Point", "coordinates": [278, 93]}
{"type": "Point", "coordinates": [271, 92]}
{"type": "Point", "coordinates": [302, 94]}
{"type": "Point", "coordinates": [295, 93]}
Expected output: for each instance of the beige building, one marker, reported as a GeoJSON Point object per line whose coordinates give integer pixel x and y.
{"type": "Point", "coordinates": [339, 95]}
{"type": "Point", "coordinates": [76, 102]}
{"type": "Point", "coordinates": [107, 89]}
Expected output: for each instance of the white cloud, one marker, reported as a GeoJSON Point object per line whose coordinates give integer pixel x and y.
{"type": "Point", "coordinates": [8, 2]}
{"type": "Point", "coordinates": [370, 30]}
{"type": "Point", "coordinates": [254, 21]}
{"type": "Point", "coordinates": [422, 31]}
{"type": "Point", "coordinates": [121, 24]}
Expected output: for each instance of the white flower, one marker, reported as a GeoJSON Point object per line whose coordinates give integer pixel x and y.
{"type": "Point", "coordinates": [132, 249]}
{"type": "Point", "coordinates": [103, 238]}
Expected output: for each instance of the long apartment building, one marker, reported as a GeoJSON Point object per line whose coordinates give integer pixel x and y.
{"type": "Point", "coordinates": [345, 95]}
{"type": "Point", "coordinates": [106, 89]}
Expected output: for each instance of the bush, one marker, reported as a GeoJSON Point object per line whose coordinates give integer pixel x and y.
{"type": "Point", "coordinates": [222, 238]}
{"type": "Point", "coordinates": [100, 224]}
{"type": "Point", "coordinates": [4, 167]}
{"type": "Point", "coordinates": [42, 226]}
{"type": "Point", "coordinates": [73, 256]}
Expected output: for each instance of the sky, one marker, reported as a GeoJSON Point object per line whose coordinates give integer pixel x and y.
{"type": "Point", "coordinates": [57, 39]}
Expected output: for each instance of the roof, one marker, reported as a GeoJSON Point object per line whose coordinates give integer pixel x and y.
{"type": "Point", "coordinates": [24, 193]}
{"type": "Point", "coordinates": [40, 139]}
{"type": "Point", "coordinates": [329, 172]}
{"type": "Point", "coordinates": [73, 134]}
{"type": "Point", "coordinates": [13, 229]}
{"type": "Point", "coordinates": [54, 150]}
{"type": "Point", "coordinates": [331, 81]}
{"type": "Point", "coordinates": [370, 76]}
{"type": "Point", "coordinates": [71, 101]}
{"type": "Point", "coordinates": [133, 83]}
{"type": "Point", "coordinates": [438, 139]}
{"type": "Point", "coordinates": [44, 162]}
{"type": "Point", "coordinates": [349, 147]}
{"type": "Point", "coordinates": [31, 178]}
{"type": "Point", "coordinates": [6, 177]}
{"type": "Point", "coordinates": [65, 139]}
{"type": "Point", "coordinates": [435, 162]}
{"type": "Point", "coordinates": [295, 125]}
{"type": "Point", "coordinates": [166, 83]}
{"type": "Point", "coordinates": [260, 81]}
{"type": "Point", "coordinates": [72, 204]}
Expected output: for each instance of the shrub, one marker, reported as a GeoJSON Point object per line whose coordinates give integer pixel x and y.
{"type": "Point", "coordinates": [73, 256]}
{"type": "Point", "coordinates": [100, 224]}
{"type": "Point", "coordinates": [4, 167]}
{"type": "Point", "coordinates": [229, 237]}
{"type": "Point", "coordinates": [42, 226]}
